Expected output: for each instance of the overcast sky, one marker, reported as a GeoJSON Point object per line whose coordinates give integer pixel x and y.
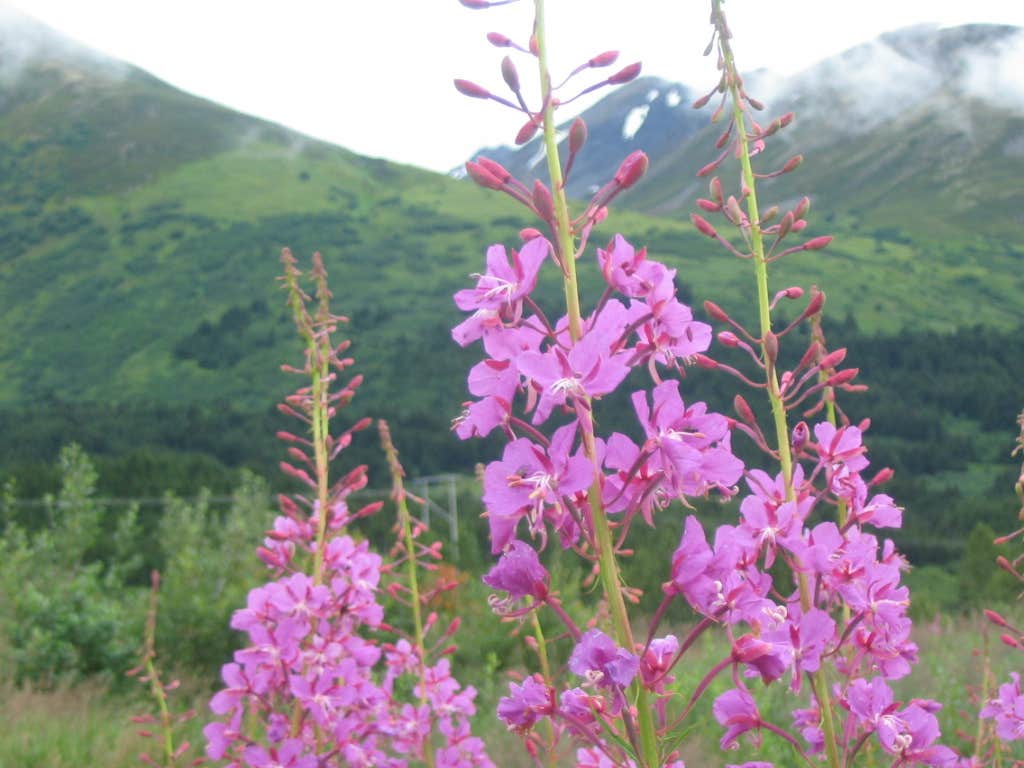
{"type": "Point", "coordinates": [375, 75]}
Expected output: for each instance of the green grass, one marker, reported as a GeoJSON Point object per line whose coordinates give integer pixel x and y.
{"type": "Point", "coordinates": [87, 726]}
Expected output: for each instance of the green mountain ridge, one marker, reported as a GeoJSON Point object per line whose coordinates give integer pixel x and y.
{"type": "Point", "coordinates": [141, 230]}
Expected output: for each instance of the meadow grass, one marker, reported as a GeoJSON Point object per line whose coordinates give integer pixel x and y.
{"type": "Point", "coordinates": [87, 725]}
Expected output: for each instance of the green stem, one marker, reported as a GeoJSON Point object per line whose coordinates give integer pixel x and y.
{"type": "Point", "coordinates": [405, 521]}
{"type": "Point", "coordinates": [764, 314]}
{"type": "Point", "coordinates": [566, 251]}
{"type": "Point", "coordinates": [545, 670]}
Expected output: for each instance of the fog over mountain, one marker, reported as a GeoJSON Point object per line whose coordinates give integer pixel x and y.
{"type": "Point", "coordinates": [952, 87]}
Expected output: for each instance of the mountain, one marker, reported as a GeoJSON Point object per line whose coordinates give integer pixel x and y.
{"type": "Point", "coordinates": [141, 228]}
{"type": "Point", "coordinates": [913, 146]}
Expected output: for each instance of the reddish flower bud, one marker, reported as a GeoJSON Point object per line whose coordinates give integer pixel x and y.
{"type": "Point", "coordinates": [832, 359]}
{"type": "Point", "coordinates": [754, 103]}
{"type": "Point", "coordinates": [542, 201]}
{"type": "Point", "coordinates": [632, 168]}
{"type": "Point", "coordinates": [625, 74]}
{"type": "Point", "coordinates": [715, 312]}
{"type": "Point", "coordinates": [815, 304]}
{"type": "Point", "coordinates": [883, 476]}
{"type": "Point", "coordinates": [577, 135]}
{"type": "Point", "coordinates": [482, 176]}
{"type": "Point", "coordinates": [528, 234]}
{"type": "Point", "coordinates": [471, 89]}
{"type": "Point", "coordinates": [786, 224]}
{"type": "Point", "coordinates": [744, 410]}
{"type": "Point", "coordinates": [495, 169]}
{"type": "Point", "coordinates": [786, 119]}
{"type": "Point", "coordinates": [1009, 640]}
{"type": "Point", "coordinates": [799, 436]}
{"type": "Point", "coordinates": [801, 209]}
{"type": "Point", "coordinates": [728, 339]}
{"type": "Point", "coordinates": [703, 226]}
{"type": "Point", "coordinates": [771, 347]}
{"type": "Point", "coordinates": [509, 74]}
{"type": "Point", "coordinates": [708, 205]}
{"type": "Point", "coordinates": [703, 361]}
{"type": "Point", "coordinates": [498, 40]}
{"type": "Point", "coordinates": [526, 132]}
{"type": "Point", "coordinates": [703, 101]}
{"type": "Point", "coordinates": [813, 350]}
{"type": "Point", "coordinates": [996, 619]}
{"type": "Point", "coordinates": [793, 163]}
{"type": "Point", "coordinates": [715, 188]}
{"type": "Point", "coordinates": [770, 214]}
{"type": "Point", "coordinates": [604, 59]}
{"type": "Point", "coordinates": [817, 243]}
{"type": "Point", "coordinates": [840, 378]}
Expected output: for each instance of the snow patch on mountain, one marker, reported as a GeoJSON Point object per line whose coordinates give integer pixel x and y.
{"type": "Point", "coordinates": [634, 121]}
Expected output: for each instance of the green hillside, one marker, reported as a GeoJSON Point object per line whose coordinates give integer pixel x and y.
{"type": "Point", "coordinates": [141, 230]}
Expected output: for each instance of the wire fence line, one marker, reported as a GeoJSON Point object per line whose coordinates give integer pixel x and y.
{"type": "Point", "coordinates": [446, 485]}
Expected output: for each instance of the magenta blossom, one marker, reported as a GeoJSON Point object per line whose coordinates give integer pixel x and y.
{"type": "Point", "coordinates": [603, 663]}
{"type": "Point", "coordinates": [519, 572]}
{"type": "Point", "coordinates": [504, 285]}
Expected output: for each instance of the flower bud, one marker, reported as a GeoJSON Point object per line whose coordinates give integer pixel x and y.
{"type": "Point", "coordinates": [526, 132]}
{"type": "Point", "coordinates": [771, 347]}
{"type": "Point", "coordinates": [799, 436]}
{"type": "Point", "coordinates": [785, 225]}
{"type": "Point", "coordinates": [498, 40]}
{"type": "Point", "coordinates": [509, 74]}
{"type": "Point", "coordinates": [883, 476]}
{"type": "Point", "coordinates": [743, 410]}
{"type": "Point", "coordinates": [815, 304]}
{"type": "Point", "coordinates": [482, 176]}
{"type": "Point", "coordinates": [542, 201]}
{"type": "Point", "coordinates": [813, 350]}
{"type": "Point", "coordinates": [577, 135]}
{"type": "Point", "coordinates": [1009, 640]}
{"type": "Point", "coordinates": [495, 169]}
{"type": "Point", "coordinates": [996, 619]}
{"type": "Point", "coordinates": [793, 163]}
{"type": "Point", "coordinates": [703, 226]}
{"type": "Point", "coordinates": [715, 188]}
{"type": "Point", "coordinates": [715, 312]}
{"type": "Point", "coordinates": [625, 74]}
{"type": "Point", "coordinates": [754, 103]}
{"type": "Point", "coordinates": [703, 361]}
{"type": "Point", "coordinates": [632, 168]}
{"type": "Point", "coordinates": [605, 59]}
{"type": "Point", "coordinates": [474, 91]}
{"type": "Point", "coordinates": [817, 243]}
{"type": "Point", "coordinates": [728, 339]}
{"type": "Point", "coordinates": [801, 209]}
{"type": "Point", "coordinates": [832, 359]}
{"type": "Point", "coordinates": [708, 205]}
{"type": "Point", "coordinates": [842, 377]}
{"type": "Point", "coordinates": [529, 233]}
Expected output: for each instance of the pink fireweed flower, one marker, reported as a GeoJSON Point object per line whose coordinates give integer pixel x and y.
{"type": "Point", "coordinates": [525, 703]}
{"type": "Point", "coordinates": [601, 662]}
{"type": "Point", "coordinates": [504, 285]}
{"type": "Point", "coordinates": [588, 369]}
{"type": "Point", "coordinates": [654, 664]}
{"type": "Point", "coordinates": [1007, 710]}
{"type": "Point", "coordinates": [636, 483]}
{"type": "Point", "coordinates": [533, 483]}
{"type": "Point", "coordinates": [627, 270]}
{"type": "Point", "coordinates": [519, 572]}
{"type": "Point", "coordinates": [911, 736]}
{"type": "Point", "coordinates": [692, 445]}
{"type": "Point", "coordinates": [736, 710]}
